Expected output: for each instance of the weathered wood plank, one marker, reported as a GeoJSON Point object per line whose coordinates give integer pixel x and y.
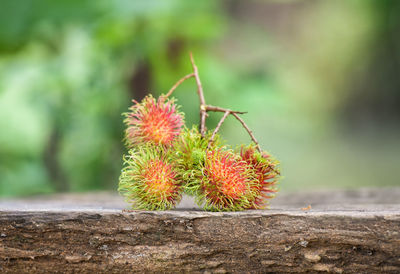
{"type": "Point", "coordinates": [90, 233]}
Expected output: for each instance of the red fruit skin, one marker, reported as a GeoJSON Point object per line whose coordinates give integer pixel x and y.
{"type": "Point", "coordinates": [153, 121]}
{"type": "Point", "coordinates": [226, 180]}
{"type": "Point", "coordinates": [266, 175]}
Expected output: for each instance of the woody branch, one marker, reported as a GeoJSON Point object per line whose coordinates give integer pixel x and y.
{"type": "Point", "coordinates": [204, 108]}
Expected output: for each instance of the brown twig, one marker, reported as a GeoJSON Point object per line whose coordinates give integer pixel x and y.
{"type": "Point", "coordinates": [235, 114]}
{"type": "Point", "coordinates": [248, 131]}
{"type": "Point", "coordinates": [203, 112]}
{"type": "Point", "coordinates": [218, 127]}
{"type": "Point", "coordinates": [254, 140]}
{"type": "Point", "coordinates": [204, 108]}
{"type": "Point", "coordinates": [178, 83]}
{"type": "Point", "coordinates": [219, 109]}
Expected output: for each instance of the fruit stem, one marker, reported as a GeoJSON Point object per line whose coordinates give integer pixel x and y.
{"type": "Point", "coordinates": [217, 128]}
{"type": "Point", "coordinates": [248, 131]}
{"type": "Point", "coordinates": [203, 112]}
{"type": "Point", "coordinates": [178, 83]}
{"type": "Point", "coordinates": [204, 108]}
{"type": "Point", "coordinates": [219, 109]}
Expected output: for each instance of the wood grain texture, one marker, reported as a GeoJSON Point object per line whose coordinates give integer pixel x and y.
{"type": "Point", "coordinates": [89, 233]}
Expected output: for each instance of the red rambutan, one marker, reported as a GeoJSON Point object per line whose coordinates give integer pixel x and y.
{"type": "Point", "coordinates": [153, 121]}
{"type": "Point", "coordinates": [227, 183]}
{"type": "Point", "coordinates": [265, 168]}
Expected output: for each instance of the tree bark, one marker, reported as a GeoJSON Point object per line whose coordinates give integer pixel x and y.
{"type": "Point", "coordinates": [90, 233]}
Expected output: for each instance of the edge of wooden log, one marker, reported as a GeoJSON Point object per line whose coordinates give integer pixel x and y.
{"type": "Point", "coordinates": [356, 238]}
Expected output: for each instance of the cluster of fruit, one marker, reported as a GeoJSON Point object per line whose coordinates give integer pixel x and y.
{"type": "Point", "coordinates": [166, 159]}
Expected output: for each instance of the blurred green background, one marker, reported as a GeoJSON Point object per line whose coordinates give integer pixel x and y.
{"type": "Point", "coordinates": [320, 79]}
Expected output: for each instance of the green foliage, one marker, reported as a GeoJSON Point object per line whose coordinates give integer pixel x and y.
{"type": "Point", "coordinates": [64, 70]}
{"type": "Point", "coordinates": [68, 68]}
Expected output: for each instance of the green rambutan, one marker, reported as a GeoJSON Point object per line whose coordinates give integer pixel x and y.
{"type": "Point", "coordinates": [228, 182]}
{"type": "Point", "coordinates": [265, 168]}
{"type": "Point", "coordinates": [191, 154]}
{"type": "Point", "coordinates": [150, 179]}
{"type": "Point", "coordinates": [153, 121]}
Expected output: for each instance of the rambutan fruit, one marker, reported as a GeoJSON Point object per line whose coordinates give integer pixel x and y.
{"type": "Point", "coordinates": [150, 179]}
{"type": "Point", "coordinates": [267, 174]}
{"type": "Point", "coordinates": [191, 154]}
{"type": "Point", "coordinates": [227, 183]}
{"type": "Point", "coordinates": [153, 121]}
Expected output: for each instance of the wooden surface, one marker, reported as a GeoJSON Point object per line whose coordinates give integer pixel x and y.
{"type": "Point", "coordinates": [342, 232]}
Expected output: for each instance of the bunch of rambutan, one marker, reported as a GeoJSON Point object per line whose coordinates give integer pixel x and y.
{"type": "Point", "coordinates": [166, 159]}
